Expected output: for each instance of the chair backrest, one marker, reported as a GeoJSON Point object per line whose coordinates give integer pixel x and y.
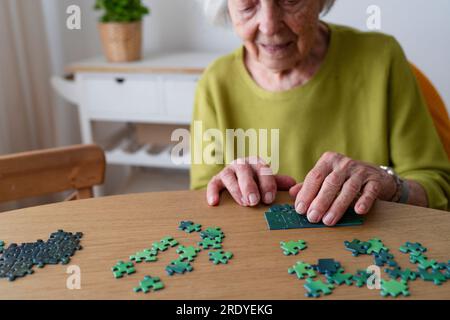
{"type": "Point", "coordinates": [436, 107]}
{"type": "Point", "coordinates": [42, 172]}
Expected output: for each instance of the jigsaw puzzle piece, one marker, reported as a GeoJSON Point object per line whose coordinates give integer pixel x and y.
{"type": "Point", "coordinates": [292, 247]}
{"type": "Point", "coordinates": [394, 288]}
{"type": "Point", "coordinates": [376, 246]}
{"type": "Point", "coordinates": [188, 253]}
{"type": "Point", "coordinates": [436, 276]}
{"type": "Point", "coordinates": [178, 267]}
{"type": "Point", "coordinates": [149, 283]}
{"type": "Point", "coordinates": [415, 249]}
{"type": "Point", "coordinates": [122, 268]}
{"type": "Point", "coordinates": [208, 243]}
{"type": "Point", "coordinates": [302, 270]}
{"type": "Point", "coordinates": [213, 233]}
{"type": "Point", "coordinates": [147, 255]}
{"type": "Point", "coordinates": [357, 247]}
{"type": "Point", "coordinates": [220, 256]}
{"type": "Point", "coordinates": [340, 277]}
{"type": "Point", "coordinates": [327, 266]}
{"type": "Point", "coordinates": [189, 226]}
{"type": "Point", "coordinates": [314, 288]}
{"type": "Point", "coordinates": [384, 257]}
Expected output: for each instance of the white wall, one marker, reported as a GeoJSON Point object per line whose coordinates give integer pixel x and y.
{"type": "Point", "coordinates": [420, 26]}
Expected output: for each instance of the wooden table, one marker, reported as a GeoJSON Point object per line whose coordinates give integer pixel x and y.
{"type": "Point", "coordinates": [116, 227]}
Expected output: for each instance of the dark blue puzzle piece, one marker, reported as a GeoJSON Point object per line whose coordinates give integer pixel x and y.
{"type": "Point", "coordinates": [284, 216]}
{"type": "Point", "coordinates": [327, 266]}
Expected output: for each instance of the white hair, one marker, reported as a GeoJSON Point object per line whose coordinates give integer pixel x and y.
{"type": "Point", "coordinates": [216, 11]}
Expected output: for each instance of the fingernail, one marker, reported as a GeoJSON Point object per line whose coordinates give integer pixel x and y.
{"type": "Point", "coordinates": [244, 203]}
{"type": "Point", "coordinates": [268, 198]}
{"type": "Point", "coordinates": [301, 208]}
{"type": "Point", "coordinates": [362, 208]}
{"type": "Point", "coordinates": [211, 200]}
{"type": "Point", "coordinates": [252, 199]}
{"type": "Point", "coordinates": [313, 216]}
{"type": "Point", "coordinates": [328, 219]}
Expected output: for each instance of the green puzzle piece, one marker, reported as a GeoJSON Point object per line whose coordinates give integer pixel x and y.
{"type": "Point", "coordinates": [210, 243]}
{"type": "Point", "coordinates": [394, 288]}
{"type": "Point", "coordinates": [220, 256]}
{"type": "Point", "coordinates": [189, 226]}
{"type": "Point", "coordinates": [413, 248]}
{"type": "Point", "coordinates": [213, 233]}
{"type": "Point", "coordinates": [436, 276]}
{"type": "Point", "coordinates": [302, 270]}
{"type": "Point", "coordinates": [315, 287]}
{"type": "Point", "coordinates": [122, 268]}
{"type": "Point", "coordinates": [165, 243]}
{"type": "Point", "coordinates": [292, 247]}
{"type": "Point", "coordinates": [188, 253]}
{"type": "Point", "coordinates": [375, 246]}
{"type": "Point", "coordinates": [340, 277]}
{"type": "Point", "coordinates": [147, 255]}
{"type": "Point", "coordinates": [149, 283]}
{"type": "Point", "coordinates": [423, 262]}
{"type": "Point", "coordinates": [361, 277]}
{"type": "Point", "coordinates": [178, 267]}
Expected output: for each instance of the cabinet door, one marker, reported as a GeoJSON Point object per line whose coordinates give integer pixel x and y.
{"type": "Point", "coordinates": [124, 98]}
{"type": "Point", "coordinates": [179, 98]}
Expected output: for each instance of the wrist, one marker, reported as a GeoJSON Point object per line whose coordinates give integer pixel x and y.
{"type": "Point", "coordinates": [400, 187]}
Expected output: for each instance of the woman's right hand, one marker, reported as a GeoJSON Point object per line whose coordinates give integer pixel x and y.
{"type": "Point", "coordinates": [249, 181]}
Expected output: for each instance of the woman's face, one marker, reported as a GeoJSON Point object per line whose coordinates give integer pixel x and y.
{"type": "Point", "coordinates": [277, 33]}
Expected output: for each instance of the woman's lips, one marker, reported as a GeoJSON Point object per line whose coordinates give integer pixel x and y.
{"type": "Point", "coordinates": [275, 48]}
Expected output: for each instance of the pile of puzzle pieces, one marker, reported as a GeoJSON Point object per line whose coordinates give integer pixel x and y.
{"type": "Point", "coordinates": [18, 260]}
{"type": "Point", "coordinates": [210, 239]}
{"type": "Point", "coordinates": [335, 275]}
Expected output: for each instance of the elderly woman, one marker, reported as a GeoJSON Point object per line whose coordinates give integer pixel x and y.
{"type": "Point", "coordinates": [353, 125]}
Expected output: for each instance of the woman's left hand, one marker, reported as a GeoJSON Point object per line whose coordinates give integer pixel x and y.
{"type": "Point", "coordinates": [335, 182]}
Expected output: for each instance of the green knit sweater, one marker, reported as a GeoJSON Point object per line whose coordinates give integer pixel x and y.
{"type": "Point", "coordinates": [363, 102]}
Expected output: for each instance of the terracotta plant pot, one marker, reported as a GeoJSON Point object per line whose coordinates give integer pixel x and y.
{"type": "Point", "coordinates": [122, 42]}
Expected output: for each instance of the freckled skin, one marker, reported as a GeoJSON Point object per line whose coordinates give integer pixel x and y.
{"type": "Point", "coordinates": [294, 23]}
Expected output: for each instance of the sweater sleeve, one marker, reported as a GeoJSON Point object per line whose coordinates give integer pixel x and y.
{"type": "Point", "coordinates": [203, 157]}
{"type": "Point", "coordinates": [416, 151]}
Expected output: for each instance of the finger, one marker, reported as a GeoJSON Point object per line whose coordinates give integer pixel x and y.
{"type": "Point", "coordinates": [229, 180]}
{"type": "Point", "coordinates": [349, 192]}
{"type": "Point", "coordinates": [246, 180]}
{"type": "Point", "coordinates": [313, 182]}
{"type": "Point", "coordinates": [284, 183]}
{"type": "Point", "coordinates": [370, 193]}
{"type": "Point", "coordinates": [266, 182]}
{"type": "Point", "coordinates": [327, 194]}
{"type": "Point", "coordinates": [215, 186]}
{"type": "Point", "coordinates": [294, 190]}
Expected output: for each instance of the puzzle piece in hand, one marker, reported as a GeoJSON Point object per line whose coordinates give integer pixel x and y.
{"type": "Point", "coordinates": [376, 246]}
{"type": "Point", "coordinates": [315, 287]}
{"type": "Point", "coordinates": [284, 216]}
{"type": "Point", "coordinates": [327, 266]}
{"type": "Point", "coordinates": [189, 226]}
{"type": "Point", "coordinates": [384, 257]}
{"type": "Point", "coordinates": [220, 256]}
{"type": "Point", "coordinates": [188, 253]}
{"type": "Point", "coordinates": [436, 276]}
{"type": "Point", "coordinates": [340, 277]}
{"type": "Point", "coordinates": [147, 255]}
{"type": "Point", "coordinates": [302, 270]}
{"type": "Point", "coordinates": [397, 272]}
{"type": "Point", "coordinates": [165, 243]}
{"type": "Point", "coordinates": [357, 247]}
{"type": "Point", "coordinates": [122, 268]}
{"type": "Point", "coordinates": [423, 262]}
{"type": "Point", "coordinates": [178, 267]}
{"type": "Point", "coordinates": [415, 249]}
{"type": "Point", "coordinates": [292, 247]}
{"type": "Point", "coordinates": [361, 277]}
{"type": "Point", "coordinates": [394, 288]}
{"type": "Point", "coordinates": [213, 233]}
{"type": "Point", "coordinates": [208, 243]}
{"type": "Point", "coordinates": [149, 283]}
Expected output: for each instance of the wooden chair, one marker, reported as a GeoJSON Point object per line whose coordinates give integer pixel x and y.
{"type": "Point", "coordinates": [436, 107]}
{"type": "Point", "coordinates": [43, 172]}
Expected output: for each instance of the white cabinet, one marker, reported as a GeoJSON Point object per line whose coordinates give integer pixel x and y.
{"type": "Point", "coordinates": [159, 89]}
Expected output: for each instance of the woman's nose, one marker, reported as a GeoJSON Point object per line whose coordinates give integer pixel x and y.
{"type": "Point", "coordinates": [270, 19]}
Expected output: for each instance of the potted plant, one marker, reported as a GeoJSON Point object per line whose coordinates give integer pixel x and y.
{"type": "Point", "coordinates": [121, 28]}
